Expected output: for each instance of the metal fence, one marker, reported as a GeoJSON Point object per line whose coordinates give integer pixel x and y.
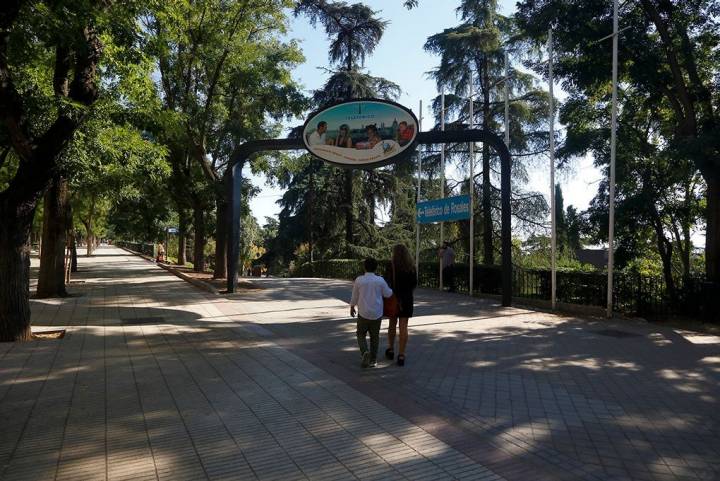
{"type": "Point", "coordinates": [142, 247]}
{"type": "Point", "coordinates": [632, 293]}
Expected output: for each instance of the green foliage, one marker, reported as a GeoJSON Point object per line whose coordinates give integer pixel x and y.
{"type": "Point", "coordinates": [535, 253]}
{"type": "Point", "coordinates": [477, 47]}
{"type": "Point", "coordinates": [669, 125]}
{"type": "Point", "coordinates": [329, 212]}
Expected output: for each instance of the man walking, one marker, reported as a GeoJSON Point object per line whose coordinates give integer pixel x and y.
{"type": "Point", "coordinates": [447, 259]}
{"type": "Point", "coordinates": [367, 295]}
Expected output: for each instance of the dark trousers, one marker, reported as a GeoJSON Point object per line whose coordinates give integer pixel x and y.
{"type": "Point", "coordinates": [449, 278]}
{"type": "Point", "coordinates": [373, 327]}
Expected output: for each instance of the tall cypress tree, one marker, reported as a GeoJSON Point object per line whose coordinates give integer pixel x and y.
{"type": "Point", "coordinates": [354, 31]}
{"type": "Point", "coordinates": [478, 45]}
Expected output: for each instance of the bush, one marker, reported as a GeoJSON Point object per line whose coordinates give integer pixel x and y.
{"type": "Point", "coordinates": [329, 269]}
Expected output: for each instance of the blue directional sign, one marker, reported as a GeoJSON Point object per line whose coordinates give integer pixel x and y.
{"type": "Point", "coordinates": [444, 210]}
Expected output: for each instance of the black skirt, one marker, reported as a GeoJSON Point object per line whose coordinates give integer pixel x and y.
{"type": "Point", "coordinates": [403, 284]}
{"type": "Point", "coordinates": [406, 306]}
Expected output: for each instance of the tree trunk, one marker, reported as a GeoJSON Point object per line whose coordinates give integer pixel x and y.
{"type": "Point", "coordinates": [712, 236]}
{"type": "Point", "coordinates": [665, 249]}
{"type": "Point", "coordinates": [310, 214]}
{"type": "Point", "coordinates": [488, 253]}
{"type": "Point", "coordinates": [89, 227]}
{"type": "Point", "coordinates": [199, 247]}
{"type": "Point", "coordinates": [348, 177]}
{"type": "Point", "coordinates": [220, 271]}
{"type": "Point", "coordinates": [89, 240]}
{"type": "Point", "coordinates": [182, 238]}
{"type": "Point", "coordinates": [15, 268]}
{"type": "Point", "coordinates": [686, 250]}
{"type": "Point", "coordinates": [51, 279]}
{"type": "Point", "coordinates": [73, 247]}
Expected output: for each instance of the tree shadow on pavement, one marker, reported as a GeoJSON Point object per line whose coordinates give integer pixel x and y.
{"type": "Point", "coordinates": [625, 399]}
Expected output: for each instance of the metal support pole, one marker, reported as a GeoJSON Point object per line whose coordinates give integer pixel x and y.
{"type": "Point", "coordinates": [417, 200]}
{"type": "Point", "coordinates": [613, 152]}
{"type": "Point", "coordinates": [472, 189]}
{"type": "Point", "coordinates": [553, 217]}
{"type": "Point", "coordinates": [507, 99]}
{"type": "Point", "coordinates": [442, 179]}
{"type": "Point", "coordinates": [234, 206]}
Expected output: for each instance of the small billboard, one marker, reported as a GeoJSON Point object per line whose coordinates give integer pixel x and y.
{"type": "Point", "coordinates": [444, 210]}
{"type": "Point", "coordinates": [361, 133]}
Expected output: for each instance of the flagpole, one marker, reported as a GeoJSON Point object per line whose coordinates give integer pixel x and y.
{"type": "Point", "coordinates": [472, 189]}
{"type": "Point", "coordinates": [507, 99]}
{"type": "Point", "coordinates": [553, 219]}
{"type": "Point", "coordinates": [442, 179]}
{"type": "Point", "coordinates": [613, 154]}
{"type": "Point", "coordinates": [419, 186]}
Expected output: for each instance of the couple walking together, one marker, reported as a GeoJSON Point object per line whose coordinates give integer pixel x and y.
{"type": "Point", "coordinates": [369, 291]}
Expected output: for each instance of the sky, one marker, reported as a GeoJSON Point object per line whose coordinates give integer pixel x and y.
{"type": "Point", "coordinates": [400, 57]}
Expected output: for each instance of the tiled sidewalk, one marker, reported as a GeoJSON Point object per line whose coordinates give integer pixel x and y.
{"type": "Point", "coordinates": [588, 398]}
{"type": "Point", "coordinates": [156, 380]}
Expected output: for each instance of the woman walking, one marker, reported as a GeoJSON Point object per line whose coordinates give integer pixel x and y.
{"type": "Point", "coordinates": [402, 279]}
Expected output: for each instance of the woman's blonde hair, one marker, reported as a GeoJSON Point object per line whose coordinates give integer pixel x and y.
{"type": "Point", "coordinates": [402, 260]}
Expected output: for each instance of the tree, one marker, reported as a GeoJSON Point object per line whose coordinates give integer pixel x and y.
{"type": "Point", "coordinates": [658, 196]}
{"type": "Point", "coordinates": [668, 56]}
{"type": "Point", "coordinates": [223, 73]}
{"type": "Point", "coordinates": [575, 225]}
{"type": "Point", "coordinates": [50, 58]}
{"type": "Point", "coordinates": [115, 164]}
{"type": "Point", "coordinates": [102, 162]}
{"type": "Point", "coordinates": [479, 45]}
{"type": "Point", "coordinates": [354, 32]}
{"type": "Point", "coordinates": [560, 220]}
{"type": "Point", "coordinates": [56, 222]}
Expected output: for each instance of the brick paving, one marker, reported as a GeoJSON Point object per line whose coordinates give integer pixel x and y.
{"type": "Point", "coordinates": [154, 381]}
{"type": "Point", "coordinates": [594, 399]}
{"type": "Point", "coordinates": [159, 380]}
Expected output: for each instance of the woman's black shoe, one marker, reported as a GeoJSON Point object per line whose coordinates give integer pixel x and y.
{"type": "Point", "coordinates": [389, 354]}
{"type": "Point", "coordinates": [401, 360]}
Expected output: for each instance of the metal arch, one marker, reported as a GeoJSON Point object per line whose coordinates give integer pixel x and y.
{"type": "Point", "coordinates": [243, 153]}
{"type": "Point", "coordinates": [233, 183]}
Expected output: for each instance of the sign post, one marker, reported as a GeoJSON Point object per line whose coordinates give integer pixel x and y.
{"type": "Point", "coordinates": [442, 179]}
{"type": "Point", "coordinates": [448, 209]}
{"type": "Point", "coordinates": [417, 201]}
{"type": "Point", "coordinates": [553, 217]}
{"type": "Point", "coordinates": [472, 186]}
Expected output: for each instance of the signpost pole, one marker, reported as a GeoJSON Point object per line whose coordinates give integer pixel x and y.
{"type": "Point", "coordinates": [507, 99]}
{"type": "Point", "coordinates": [553, 220]}
{"type": "Point", "coordinates": [613, 153]}
{"type": "Point", "coordinates": [442, 179]}
{"type": "Point", "coordinates": [235, 196]}
{"type": "Point", "coordinates": [472, 188]}
{"type": "Point", "coordinates": [419, 186]}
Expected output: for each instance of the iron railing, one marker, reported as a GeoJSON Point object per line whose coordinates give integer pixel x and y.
{"type": "Point", "coordinates": [632, 293]}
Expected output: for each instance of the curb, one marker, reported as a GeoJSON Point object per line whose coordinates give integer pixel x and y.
{"type": "Point", "coordinates": [195, 282]}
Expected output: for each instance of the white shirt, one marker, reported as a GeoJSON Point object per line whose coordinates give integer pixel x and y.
{"type": "Point", "coordinates": [316, 139]}
{"type": "Point", "coordinates": [448, 256]}
{"type": "Point", "coordinates": [368, 292]}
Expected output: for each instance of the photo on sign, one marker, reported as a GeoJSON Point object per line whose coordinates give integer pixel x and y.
{"type": "Point", "coordinates": [360, 133]}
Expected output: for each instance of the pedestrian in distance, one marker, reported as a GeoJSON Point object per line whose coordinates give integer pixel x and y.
{"type": "Point", "coordinates": [160, 253]}
{"type": "Point", "coordinates": [367, 295]}
{"type": "Point", "coordinates": [402, 279]}
{"type": "Point", "coordinates": [447, 260]}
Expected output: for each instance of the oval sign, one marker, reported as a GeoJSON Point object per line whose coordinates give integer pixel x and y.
{"type": "Point", "coordinates": [361, 133]}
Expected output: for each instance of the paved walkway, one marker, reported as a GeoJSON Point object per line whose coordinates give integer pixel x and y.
{"type": "Point", "coordinates": [158, 380]}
